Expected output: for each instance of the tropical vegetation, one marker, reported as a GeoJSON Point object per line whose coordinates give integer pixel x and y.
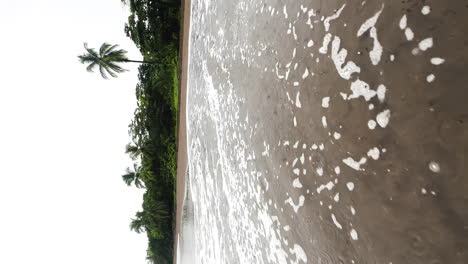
{"type": "Point", "coordinates": [107, 59]}
{"type": "Point", "coordinates": [154, 26]}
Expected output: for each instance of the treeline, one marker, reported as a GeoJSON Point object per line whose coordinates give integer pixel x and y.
{"type": "Point", "coordinates": [154, 27]}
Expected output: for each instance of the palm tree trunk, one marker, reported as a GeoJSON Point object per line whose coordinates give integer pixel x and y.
{"type": "Point", "coordinates": [147, 62]}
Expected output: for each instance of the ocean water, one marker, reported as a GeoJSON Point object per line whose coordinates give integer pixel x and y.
{"type": "Point", "coordinates": [186, 239]}
{"type": "Point", "coordinates": [291, 141]}
{"type": "Point", "coordinates": [232, 220]}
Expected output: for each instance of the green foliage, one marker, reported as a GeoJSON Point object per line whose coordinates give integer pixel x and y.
{"type": "Point", "coordinates": [154, 27]}
{"type": "Point", "coordinates": [106, 60]}
{"type": "Point", "coordinates": [133, 177]}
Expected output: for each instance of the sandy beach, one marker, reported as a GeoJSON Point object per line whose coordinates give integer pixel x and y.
{"type": "Point", "coordinates": [182, 133]}
{"type": "Point", "coordinates": [324, 132]}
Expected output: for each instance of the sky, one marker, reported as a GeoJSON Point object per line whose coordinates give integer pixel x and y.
{"type": "Point", "coordinates": [62, 136]}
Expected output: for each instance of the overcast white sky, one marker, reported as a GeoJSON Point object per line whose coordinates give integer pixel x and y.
{"type": "Point", "coordinates": [62, 137]}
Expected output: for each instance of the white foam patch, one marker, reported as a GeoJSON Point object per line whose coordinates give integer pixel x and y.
{"type": "Point", "coordinates": [298, 102]}
{"type": "Point", "coordinates": [426, 44]}
{"type": "Point", "coordinates": [296, 144]}
{"type": "Point", "coordinates": [356, 165]}
{"type": "Point", "coordinates": [311, 13]}
{"type": "Point", "coordinates": [336, 198]}
{"type": "Point", "coordinates": [329, 186]}
{"type": "Point", "coordinates": [325, 43]}
{"type": "Point", "coordinates": [305, 74]}
{"type": "Point", "coordinates": [430, 78]}
{"type": "Point", "coordinates": [409, 34]}
{"type": "Point", "coordinates": [336, 135]}
{"type": "Point", "coordinates": [294, 162]}
{"type": "Point", "coordinates": [324, 121]}
{"type": "Point", "coordinates": [437, 61]}
{"type": "Point", "coordinates": [374, 153]}
{"type": "Point", "coordinates": [403, 22]}
{"type": "Point", "coordinates": [325, 101]}
{"type": "Point", "coordinates": [295, 206]}
{"type": "Point", "coordinates": [354, 234]}
{"type": "Point", "coordinates": [381, 90]}
{"type": "Point", "coordinates": [296, 171]}
{"type": "Point", "coordinates": [369, 23]}
{"type": "Point", "coordinates": [371, 124]}
{"type": "Point", "coordinates": [434, 166]}
{"type": "Point", "coordinates": [310, 43]}
{"type": "Point", "coordinates": [383, 118]}
{"type": "Point", "coordinates": [337, 170]}
{"type": "Point", "coordinates": [376, 53]}
{"type": "Point", "coordinates": [337, 224]}
{"type": "Point", "coordinates": [302, 158]}
{"type": "Point", "coordinates": [339, 56]}
{"type": "Point", "coordinates": [297, 183]}
{"type": "Point", "coordinates": [350, 186]}
{"type": "Point", "coordinates": [326, 22]}
{"type": "Point", "coordinates": [425, 10]}
{"type": "Point", "coordinates": [353, 211]}
{"type": "Point", "coordinates": [319, 171]}
{"type": "Point", "coordinates": [299, 253]}
{"type": "Point", "coordinates": [361, 88]}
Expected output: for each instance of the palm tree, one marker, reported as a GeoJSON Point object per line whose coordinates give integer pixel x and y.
{"type": "Point", "coordinates": [147, 219]}
{"type": "Point", "coordinates": [169, 4]}
{"type": "Point", "coordinates": [106, 59]}
{"type": "Point", "coordinates": [134, 151]}
{"type": "Point", "coordinates": [133, 177]}
{"type": "Point", "coordinates": [137, 224]}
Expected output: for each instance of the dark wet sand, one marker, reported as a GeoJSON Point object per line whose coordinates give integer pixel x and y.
{"type": "Point", "coordinates": [182, 133]}
{"type": "Point", "coordinates": [411, 203]}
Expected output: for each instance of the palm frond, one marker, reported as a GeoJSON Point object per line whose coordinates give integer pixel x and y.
{"type": "Point", "coordinates": [91, 66]}
{"type": "Point", "coordinates": [115, 67]}
{"type": "Point", "coordinates": [129, 177]}
{"type": "Point", "coordinates": [102, 71]}
{"type": "Point", "coordinates": [86, 58]}
{"type": "Point", "coordinates": [91, 51]}
{"type": "Point", "coordinates": [117, 55]}
{"type": "Point", "coordinates": [137, 225]}
{"type": "Point", "coordinates": [106, 59]}
{"type": "Point", "coordinates": [103, 50]}
{"type": "Point", "coordinates": [132, 150]}
{"type": "Point", "coordinates": [112, 48]}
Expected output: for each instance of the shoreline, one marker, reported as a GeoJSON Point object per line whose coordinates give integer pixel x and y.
{"type": "Point", "coordinates": [182, 157]}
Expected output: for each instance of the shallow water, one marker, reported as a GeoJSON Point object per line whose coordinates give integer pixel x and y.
{"type": "Point", "coordinates": [302, 145]}
{"type": "Point", "coordinates": [186, 242]}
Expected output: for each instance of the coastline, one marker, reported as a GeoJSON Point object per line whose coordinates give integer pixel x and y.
{"type": "Point", "coordinates": [182, 157]}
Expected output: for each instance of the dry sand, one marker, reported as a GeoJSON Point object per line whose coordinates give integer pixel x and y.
{"type": "Point", "coordinates": [182, 133]}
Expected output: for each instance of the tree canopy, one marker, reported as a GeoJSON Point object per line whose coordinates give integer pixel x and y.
{"type": "Point", "coordinates": [106, 59]}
